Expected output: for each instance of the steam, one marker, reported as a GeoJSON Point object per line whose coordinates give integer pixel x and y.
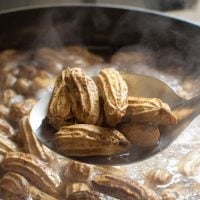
{"type": "Point", "coordinates": [53, 31]}
{"type": "Point", "coordinates": [46, 32]}
{"type": "Point", "coordinates": [174, 53]}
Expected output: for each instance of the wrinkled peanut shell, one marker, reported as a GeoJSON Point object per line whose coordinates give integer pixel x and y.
{"type": "Point", "coordinates": [90, 140]}
{"type": "Point", "coordinates": [122, 188]}
{"type": "Point", "coordinates": [149, 110]}
{"type": "Point", "coordinates": [84, 96]}
{"type": "Point", "coordinates": [59, 111]}
{"type": "Point", "coordinates": [33, 170]}
{"type": "Point", "coordinates": [114, 91]}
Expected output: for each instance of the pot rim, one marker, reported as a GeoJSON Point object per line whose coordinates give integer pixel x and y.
{"type": "Point", "coordinates": [101, 5]}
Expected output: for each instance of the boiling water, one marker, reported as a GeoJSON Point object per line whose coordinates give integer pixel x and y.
{"type": "Point", "coordinates": [189, 141]}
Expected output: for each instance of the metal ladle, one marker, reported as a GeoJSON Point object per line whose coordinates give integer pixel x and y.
{"type": "Point", "coordinates": [139, 85]}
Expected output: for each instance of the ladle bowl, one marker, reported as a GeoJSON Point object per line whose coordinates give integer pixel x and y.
{"type": "Point", "coordinates": [139, 85]}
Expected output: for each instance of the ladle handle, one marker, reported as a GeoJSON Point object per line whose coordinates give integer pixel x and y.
{"type": "Point", "coordinates": [188, 109]}
{"type": "Point", "coordinates": [194, 104]}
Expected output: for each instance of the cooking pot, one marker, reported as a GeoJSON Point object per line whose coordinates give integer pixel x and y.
{"type": "Point", "coordinates": [107, 29]}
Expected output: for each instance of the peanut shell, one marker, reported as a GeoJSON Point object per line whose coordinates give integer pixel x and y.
{"type": "Point", "coordinates": [31, 143]}
{"type": "Point", "coordinates": [76, 187]}
{"type": "Point", "coordinates": [114, 91]}
{"type": "Point", "coordinates": [84, 96]}
{"type": "Point", "coordinates": [4, 112]}
{"type": "Point", "coordinates": [83, 195]}
{"type": "Point", "coordinates": [78, 172]}
{"type": "Point", "coordinates": [7, 145]}
{"type": "Point", "coordinates": [140, 134]}
{"type": "Point", "coordinates": [34, 170]}
{"type": "Point", "coordinates": [6, 129]}
{"type": "Point", "coordinates": [90, 140]}
{"type": "Point", "coordinates": [14, 187]}
{"type": "Point", "coordinates": [158, 176]}
{"type": "Point", "coordinates": [21, 109]}
{"type": "Point", "coordinates": [149, 110]}
{"type": "Point", "coordinates": [59, 111]}
{"type": "Point", "coordinates": [122, 188]}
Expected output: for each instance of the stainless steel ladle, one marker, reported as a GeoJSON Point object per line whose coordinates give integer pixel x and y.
{"type": "Point", "coordinates": [139, 85]}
